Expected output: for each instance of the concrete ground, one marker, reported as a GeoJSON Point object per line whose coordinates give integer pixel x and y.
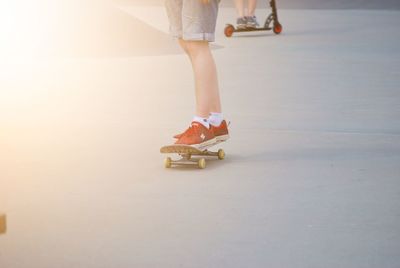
{"type": "Point", "coordinates": [311, 177]}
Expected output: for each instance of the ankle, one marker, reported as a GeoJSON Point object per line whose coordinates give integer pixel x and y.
{"type": "Point", "coordinates": [202, 120]}
{"type": "Point", "coordinates": [215, 119]}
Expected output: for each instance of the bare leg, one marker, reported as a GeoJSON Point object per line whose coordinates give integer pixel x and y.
{"type": "Point", "coordinates": [205, 75]}
{"type": "Point", "coordinates": [240, 8]}
{"type": "Point", "coordinates": [251, 7]}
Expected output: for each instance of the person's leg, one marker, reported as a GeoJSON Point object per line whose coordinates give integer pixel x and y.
{"type": "Point", "coordinates": [198, 29]}
{"type": "Point", "coordinates": [205, 76]}
{"type": "Point", "coordinates": [241, 20]}
{"type": "Point", "coordinates": [251, 7]}
{"type": "Point", "coordinates": [251, 19]}
{"type": "Point", "coordinates": [239, 4]}
{"type": "Point", "coordinates": [208, 103]}
{"type": "Point", "coordinates": [199, 22]}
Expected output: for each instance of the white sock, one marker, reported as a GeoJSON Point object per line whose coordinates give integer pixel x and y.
{"type": "Point", "coordinates": [215, 119]}
{"type": "Point", "coordinates": [201, 120]}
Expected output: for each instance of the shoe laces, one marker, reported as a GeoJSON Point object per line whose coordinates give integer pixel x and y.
{"type": "Point", "coordinates": [191, 130]}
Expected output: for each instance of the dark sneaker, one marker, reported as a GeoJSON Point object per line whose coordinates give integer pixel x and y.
{"type": "Point", "coordinates": [251, 22]}
{"type": "Point", "coordinates": [197, 136]}
{"type": "Point", "coordinates": [241, 23]}
{"type": "Point", "coordinates": [221, 132]}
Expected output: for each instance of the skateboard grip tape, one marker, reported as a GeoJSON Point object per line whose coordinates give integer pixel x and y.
{"type": "Point", "coordinates": [3, 223]}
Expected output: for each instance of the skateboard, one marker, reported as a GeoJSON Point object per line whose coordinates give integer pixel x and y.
{"type": "Point", "coordinates": [272, 18]}
{"type": "Point", "coordinates": [186, 152]}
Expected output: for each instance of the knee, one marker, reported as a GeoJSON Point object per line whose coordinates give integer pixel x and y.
{"type": "Point", "coordinates": [193, 48]}
{"type": "Point", "coordinates": [184, 45]}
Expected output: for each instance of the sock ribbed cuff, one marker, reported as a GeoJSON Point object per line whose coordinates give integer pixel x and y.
{"type": "Point", "coordinates": [201, 120]}
{"type": "Point", "coordinates": [215, 119]}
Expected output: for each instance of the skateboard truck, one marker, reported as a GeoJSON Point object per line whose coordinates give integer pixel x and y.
{"type": "Point", "coordinates": [272, 18]}
{"type": "Point", "coordinates": [186, 152]}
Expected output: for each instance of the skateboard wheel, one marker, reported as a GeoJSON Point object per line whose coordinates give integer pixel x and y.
{"type": "Point", "coordinates": [167, 162]}
{"type": "Point", "coordinates": [277, 28]}
{"type": "Point", "coordinates": [221, 154]}
{"type": "Point", "coordinates": [202, 163]}
{"type": "Point", "coordinates": [229, 29]}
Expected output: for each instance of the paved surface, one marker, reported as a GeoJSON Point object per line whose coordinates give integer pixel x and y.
{"type": "Point", "coordinates": [311, 177]}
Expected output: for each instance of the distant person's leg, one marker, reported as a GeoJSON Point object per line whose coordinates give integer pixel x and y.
{"type": "Point", "coordinates": [251, 17]}
{"type": "Point", "coordinates": [239, 4]}
{"type": "Point", "coordinates": [251, 7]}
{"type": "Point", "coordinates": [241, 20]}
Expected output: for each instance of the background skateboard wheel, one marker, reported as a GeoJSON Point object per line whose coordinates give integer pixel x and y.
{"type": "Point", "coordinates": [229, 29]}
{"type": "Point", "coordinates": [167, 162]}
{"type": "Point", "coordinates": [277, 28]}
{"type": "Point", "coordinates": [221, 154]}
{"type": "Point", "coordinates": [202, 163]}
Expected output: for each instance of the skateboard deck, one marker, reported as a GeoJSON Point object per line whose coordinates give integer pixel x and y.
{"type": "Point", "coordinates": [186, 152]}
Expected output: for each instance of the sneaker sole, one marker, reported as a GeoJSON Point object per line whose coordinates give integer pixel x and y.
{"type": "Point", "coordinates": [203, 145]}
{"type": "Point", "coordinates": [222, 138]}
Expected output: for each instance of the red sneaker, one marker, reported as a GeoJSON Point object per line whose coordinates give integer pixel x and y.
{"type": "Point", "coordinates": [197, 136]}
{"type": "Point", "coordinates": [221, 132]}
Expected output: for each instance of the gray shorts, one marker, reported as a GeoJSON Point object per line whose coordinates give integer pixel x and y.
{"type": "Point", "coordinates": [192, 19]}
